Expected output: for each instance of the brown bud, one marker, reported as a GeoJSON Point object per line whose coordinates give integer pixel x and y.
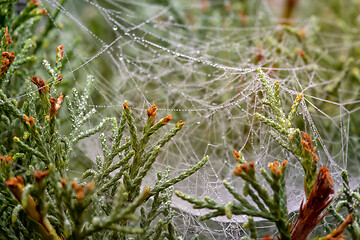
{"type": "Point", "coordinates": [16, 186]}
{"type": "Point", "coordinates": [60, 52]}
{"type": "Point", "coordinates": [63, 182]}
{"type": "Point", "coordinates": [34, 2]}
{"type": "Point", "coordinates": [39, 82]}
{"type": "Point", "coordinates": [236, 155]}
{"type": "Point", "coordinates": [204, 6]}
{"type": "Point", "coordinates": [167, 119]}
{"type": "Point", "coordinates": [302, 54]}
{"type": "Point", "coordinates": [28, 120]}
{"type": "Point", "coordinates": [6, 62]}
{"type": "Point", "coordinates": [5, 158]}
{"type": "Point", "coordinates": [55, 104]}
{"type": "Point", "coordinates": [7, 36]}
{"type": "Point", "coordinates": [259, 53]}
{"type": "Point", "coordinates": [60, 77]}
{"type": "Point", "coordinates": [81, 190]}
{"type": "Point", "coordinates": [307, 146]}
{"type": "Point", "coordinates": [275, 168]}
{"type": "Point", "coordinates": [246, 168]}
{"type": "Point", "coordinates": [151, 112]}
{"type": "Point", "coordinates": [39, 175]}
{"type": "Point", "coordinates": [242, 17]}
{"type": "Point", "coordinates": [302, 32]}
{"type": "Point", "coordinates": [44, 11]}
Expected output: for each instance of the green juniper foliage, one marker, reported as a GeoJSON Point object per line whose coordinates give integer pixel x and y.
{"type": "Point", "coordinates": [38, 199]}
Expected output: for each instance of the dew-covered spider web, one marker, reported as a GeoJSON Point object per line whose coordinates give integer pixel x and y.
{"type": "Point", "coordinates": [197, 60]}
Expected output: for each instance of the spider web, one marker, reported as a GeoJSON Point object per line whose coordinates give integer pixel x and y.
{"type": "Point", "coordinates": [200, 66]}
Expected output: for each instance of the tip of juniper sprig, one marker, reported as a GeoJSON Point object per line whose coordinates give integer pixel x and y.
{"type": "Point", "coordinates": [44, 11]}
{"type": "Point", "coordinates": [301, 33]}
{"type": "Point", "coordinates": [259, 56]}
{"type": "Point", "coordinates": [39, 82]}
{"type": "Point", "coordinates": [7, 36]}
{"type": "Point", "coordinates": [16, 186]}
{"type": "Point", "coordinates": [166, 119]}
{"type": "Point", "coordinates": [29, 120]}
{"type": "Point", "coordinates": [247, 168]}
{"type": "Point", "coordinates": [81, 191]}
{"type": "Point", "coordinates": [180, 123]}
{"type": "Point", "coordinates": [147, 190]}
{"type": "Point", "coordinates": [55, 104]}
{"type": "Point", "coordinates": [34, 2]}
{"type": "Point", "coordinates": [307, 146]}
{"type": "Point", "coordinates": [151, 112]}
{"type": "Point", "coordinates": [276, 168]}
{"type": "Point", "coordinates": [9, 56]}
{"type": "Point", "coordinates": [302, 54]}
{"type": "Point", "coordinates": [63, 182]}
{"type": "Point", "coordinates": [14, 181]}
{"type": "Point", "coordinates": [236, 155]}
{"type": "Point", "coordinates": [60, 77]}
{"type": "Point", "coordinates": [126, 104]}
{"type": "Point", "coordinates": [60, 52]}
{"type": "Point", "coordinates": [284, 163]}
{"type": "Point", "coordinates": [39, 175]}
{"type": "Point", "coordinates": [6, 159]}
{"type": "Point", "coordinates": [6, 62]}
{"type": "Point", "coordinates": [298, 99]}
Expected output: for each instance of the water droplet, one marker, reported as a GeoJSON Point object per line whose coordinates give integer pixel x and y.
{"type": "Point", "coordinates": [115, 28]}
